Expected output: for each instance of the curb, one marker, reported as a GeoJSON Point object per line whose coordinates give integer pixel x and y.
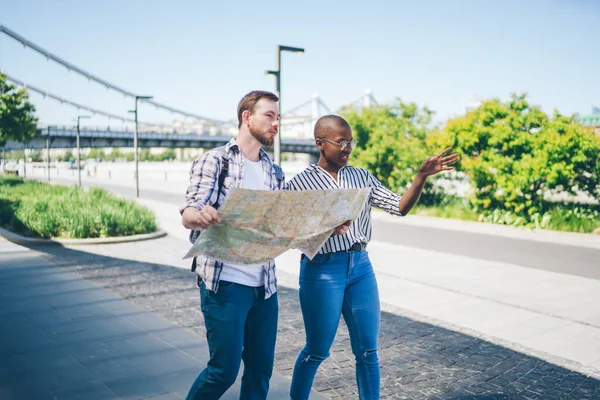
{"type": "Point", "coordinates": [590, 240]}
{"type": "Point", "coordinates": [18, 239]}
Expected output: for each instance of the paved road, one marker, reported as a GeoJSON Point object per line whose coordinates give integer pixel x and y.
{"type": "Point", "coordinates": [572, 260]}
{"type": "Point", "coordinates": [566, 259]}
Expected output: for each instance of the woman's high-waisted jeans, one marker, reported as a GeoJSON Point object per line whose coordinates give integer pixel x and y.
{"type": "Point", "coordinates": [331, 285]}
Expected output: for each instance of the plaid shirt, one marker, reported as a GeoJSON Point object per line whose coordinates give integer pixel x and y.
{"type": "Point", "coordinates": [202, 191]}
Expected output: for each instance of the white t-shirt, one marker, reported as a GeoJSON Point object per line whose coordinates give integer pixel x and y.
{"type": "Point", "coordinates": [248, 275]}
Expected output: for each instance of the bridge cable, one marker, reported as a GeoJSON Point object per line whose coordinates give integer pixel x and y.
{"type": "Point", "coordinates": [89, 76]}
{"type": "Point", "coordinates": [69, 102]}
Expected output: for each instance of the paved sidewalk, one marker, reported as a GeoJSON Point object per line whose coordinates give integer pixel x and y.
{"type": "Point", "coordinates": [419, 360]}
{"type": "Point", "coordinates": [66, 337]}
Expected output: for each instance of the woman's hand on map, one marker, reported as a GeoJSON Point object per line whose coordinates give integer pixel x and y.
{"type": "Point", "coordinates": [343, 228]}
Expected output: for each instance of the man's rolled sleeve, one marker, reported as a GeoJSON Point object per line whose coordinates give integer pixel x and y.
{"type": "Point", "coordinates": [203, 181]}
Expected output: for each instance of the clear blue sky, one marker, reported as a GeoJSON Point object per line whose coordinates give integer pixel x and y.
{"type": "Point", "coordinates": [203, 56]}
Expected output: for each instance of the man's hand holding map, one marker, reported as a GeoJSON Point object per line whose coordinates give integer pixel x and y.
{"type": "Point", "coordinates": [258, 226]}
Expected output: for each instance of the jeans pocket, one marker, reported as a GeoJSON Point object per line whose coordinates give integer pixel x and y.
{"type": "Point", "coordinates": [317, 259]}
{"type": "Point", "coordinates": [313, 270]}
{"type": "Point", "coordinates": [225, 284]}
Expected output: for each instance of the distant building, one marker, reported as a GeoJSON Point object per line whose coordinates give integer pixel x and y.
{"type": "Point", "coordinates": [591, 120]}
{"type": "Point", "coordinates": [195, 126]}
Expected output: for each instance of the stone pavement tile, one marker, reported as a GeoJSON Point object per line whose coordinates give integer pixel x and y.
{"type": "Point", "coordinates": [147, 320]}
{"type": "Point", "coordinates": [91, 352]}
{"type": "Point", "coordinates": [129, 388]}
{"type": "Point", "coordinates": [74, 312]}
{"type": "Point", "coordinates": [49, 358]}
{"type": "Point", "coordinates": [89, 390]}
{"type": "Point", "coordinates": [15, 319]}
{"type": "Point", "coordinates": [166, 396]}
{"type": "Point", "coordinates": [185, 341]}
{"type": "Point", "coordinates": [93, 332]}
{"type": "Point", "coordinates": [164, 362]}
{"type": "Point", "coordinates": [115, 368]}
{"type": "Point", "coordinates": [24, 339]}
{"type": "Point", "coordinates": [56, 373]}
{"type": "Point", "coordinates": [180, 382]}
{"type": "Point", "coordinates": [139, 345]}
{"type": "Point", "coordinates": [53, 330]}
{"type": "Point", "coordinates": [21, 391]}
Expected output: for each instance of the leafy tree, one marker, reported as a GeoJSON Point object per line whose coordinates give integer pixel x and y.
{"type": "Point", "coordinates": [36, 156]}
{"type": "Point", "coordinates": [167, 155]}
{"type": "Point", "coordinates": [68, 155]}
{"type": "Point", "coordinates": [145, 155]}
{"type": "Point", "coordinates": [391, 143]}
{"type": "Point", "coordinates": [96, 154]}
{"type": "Point", "coordinates": [113, 155]}
{"type": "Point", "coordinates": [15, 155]}
{"type": "Point", "coordinates": [17, 119]}
{"type": "Point", "coordinates": [514, 154]}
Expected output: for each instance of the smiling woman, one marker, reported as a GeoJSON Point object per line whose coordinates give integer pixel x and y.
{"type": "Point", "coordinates": [40, 210]}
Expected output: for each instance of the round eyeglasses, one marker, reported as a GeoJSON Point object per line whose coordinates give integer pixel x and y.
{"type": "Point", "coordinates": [342, 144]}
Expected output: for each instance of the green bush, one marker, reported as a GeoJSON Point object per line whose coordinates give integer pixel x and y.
{"type": "Point", "coordinates": [391, 145]}
{"type": "Point", "coordinates": [567, 217]}
{"type": "Point", "coordinates": [513, 154]}
{"type": "Point", "coordinates": [449, 207]}
{"type": "Point", "coordinates": [577, 217]}
{"type": "Point", "coordinates": [52, 211]}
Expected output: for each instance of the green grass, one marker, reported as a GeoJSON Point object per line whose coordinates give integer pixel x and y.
{"type": "Point", "coordinates": [574, 218]}
{"type": "Point", "coordinates": [41, 210]}
{"type": "Point", "coordinates": [567, 217]}
{"type": "Point", "coordinates": [455, 209]}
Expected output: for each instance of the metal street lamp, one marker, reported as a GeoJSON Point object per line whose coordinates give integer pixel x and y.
{"type": "Point", "coordinates": [277, 74]}
{"type": "Point", "coordinates": [135, 143]}
{"type": "Point", "coordinates": [79, 117]}
{"type": "Point", "coordinates": [24, 162]}
{"type": "Point", "coordinates": [48, 150]}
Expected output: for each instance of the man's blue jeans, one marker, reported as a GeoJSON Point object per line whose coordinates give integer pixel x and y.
{"type": "Point", "coordinates": [331, 285]}
{"type": "Point", "coordinates": [240, 325]}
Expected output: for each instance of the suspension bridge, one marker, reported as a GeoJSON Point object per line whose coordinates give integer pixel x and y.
{"type": "Point", "coordinates": [193, 131]}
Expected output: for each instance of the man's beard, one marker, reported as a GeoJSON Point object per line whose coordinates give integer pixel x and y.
{"type": "Point", "coordinates": [264, 140]}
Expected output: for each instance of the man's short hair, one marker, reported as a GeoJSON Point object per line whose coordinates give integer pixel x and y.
{"type": "Point", "coordinates": [327, 122]}
{"type": "Point", "coordinates": [248, 102]}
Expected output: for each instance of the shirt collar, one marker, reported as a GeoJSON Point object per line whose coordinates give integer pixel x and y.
{"type": "Point", "coordinates": [233, 146]}
{"type": "Point", "coordinates": [316, 168]}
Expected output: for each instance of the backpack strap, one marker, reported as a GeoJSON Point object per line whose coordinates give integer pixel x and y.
{"type": "Point", "coordinates": [278, 173]}
{"type": "Point", "coordinates": [222, 175]}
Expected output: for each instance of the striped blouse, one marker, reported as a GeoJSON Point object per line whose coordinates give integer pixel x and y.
{"type": "Point", "coordinates": [316, 178]}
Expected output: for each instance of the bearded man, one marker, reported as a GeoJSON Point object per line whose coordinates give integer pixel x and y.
{"type": "Point", "coordinates": [239, 303]}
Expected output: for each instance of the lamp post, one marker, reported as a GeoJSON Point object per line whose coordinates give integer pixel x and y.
{"type": "Point", "coordinates": [24, 162]}
{"type": "Point", "coordinates": [135, 143]}
{"type": "Point", "coordinates": [79, 118]}
{"type": "Point", "coordinates": [277, 74]}
{"type": "Point", "coordinates": [48, 150]}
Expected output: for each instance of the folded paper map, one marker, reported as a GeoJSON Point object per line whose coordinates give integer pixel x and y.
{"type": "Point", "coordinates": [258, 225]}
